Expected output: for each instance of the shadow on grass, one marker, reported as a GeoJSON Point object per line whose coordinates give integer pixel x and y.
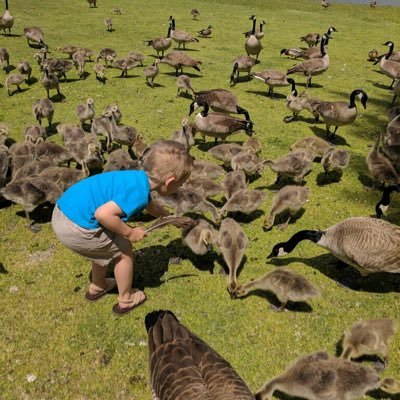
{"type": "Point", "coordinates": [345, 275]}
{"type": "Point", "coordinates": [3, 270]}
{"type": "Point", "coordinates": [327, 178]}
{"type": "Point", "coordinates": [41, 214]}
{"type": "Point", "coordinates": [189, 74]}
{"type": "Point", "coordinates": [321, 133]}
{"type": "Point", "coordinates": [277, 96]}
{"type": "Point", "coordinates": [380, 394]}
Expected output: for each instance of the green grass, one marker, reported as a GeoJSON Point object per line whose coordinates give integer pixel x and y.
{"type": "Point", "coordinates": [79, 350]}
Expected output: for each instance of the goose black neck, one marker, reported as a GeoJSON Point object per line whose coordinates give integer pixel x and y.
{"type": "Point", "coordinates": [293, 83]}
{"type": "Point", "coordinates": [206, 108]}
{"type": "Point", "coordinates": [391, 47]}
{"type": "Point", "coordinates": [261, 27]}
{"type": "Point", "coordinates": [385, 200]}
{"type": "Point", "coordinates": [6, 4]}
{"type": "Point", "coordinates": [169, 31]}
{"type": "Point", "coordinates": [314, 236]}
{"type": "Point", "coordinates": [253, 31]}
{"type": "Point", "coordinates": [323, 52]}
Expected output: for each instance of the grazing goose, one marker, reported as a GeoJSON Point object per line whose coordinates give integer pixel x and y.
{"type": "Point", "coordinates": [318, 376]}
{"type": "Point", "coordinates": [367, 244]}
{"type": "Point", "coordinates": [204, 185]}
{"type": "Point", "coordinates": [312, 52]}
{"type": "Point", "coordinates": [252, 143]}
{"type": "Point", "coordinates": [4, 58]}
{"type": "Point", "coordinates": [6, 20]}
{"type": "Point", "coordinates": [108, 22]}
{"type": "Point", "coordinates": [340, 113]}
{"type": "Point", "coordinates": [79, 62]}
{"type": "Point", "coordinates": [325, 4]}
{"type": "Point", "coordinates": [224, 152]}
{"type": "Point", "coordinates": [43, 108]}
{"type": "Point", "coordinates": [241, 64]}
{"type": "Point", "coordinates": [389, 67]}
{"type": "Point", "coordinates": [390, 385]}
{"type": "Point", "coordinates": [221, 100]}
{"type": "Point", "coordinates": [107, 54]}
{"type": "Point", "coordinates": [198, 373]}
{"type": "Point", "coordinates": [234, 181]}
{"type": "Point", "coordinates": [151, 72]}
{"type": "Point", "coordinates": [184, 82]}
{"type": "Point", "coordinates": [50, 81]}
{"type": "Point", "coordinates": [217, 125]}
{"type": "Point", "coordinates": [51, 151]}
{"type": "Point", "coordinates": [259, 32]}
{"type": "Point", "coordinates": [373, 55]}
{"type": "Point", "coordinates": [25, 68]}
{"type": "Point", "coordinates": [116, 11]}
{"type": "Point", "coordinates": [369, 337]}
{"type": "Point", "coordinates": [253, 45]}
{"type": "Point", "coordinates": [248, 162]}
{"type": "Point", "coordinates": [380, 168]}
{"type": "Point", "coordinates": [207, 168]}
{"type": "Point", "coordinates": [205, 32]}
{"type": "Point", "coordinates": [70, 133]}
{"type": "Point", "coordinates": [178, 60]}
{"type": "Point", "coordinates": [383, 204]}
{"type": "Point", "coordinates": [161, 44]}
{"type": "Point", "coordinates": [232, 242]}
{"type": "Point", "coordinates": [291, 52]}
{"type": "Point", "coordinates": [284, 283]}
{"type": "Point", "coordinates": [335, 160]}
{"type": "Point", "coordinates": [86, 111]}
{"type": "Point", "coordinates": [312, 67]}
{"type": "Point", "coordinates": [99, 71]}
{"type": "Point", "coordinates": [186, 135]}
{"type": "Point", "coordinates": [137, 57]}
{"type": "Point", "coordinates": [92, 3]}
{"type": "Point", "coordinates": [180, 37]}
{"type": "Point", "coordinates": [36, 35]}
{"type": "Point", "coordinates": [200, 238]}
{"type": "Point", "coordinates": [70, 49]}
{"type": "Point", "coordinates": [289, 198]}
{"type": "Point", "coordinates": [35, 133]}
{"type": "Point", "coordinates": [314, 143]}
{"type": "Point", "coordinates": [59, 67]}
{"type": "Point", "coordinates": [244, 201]}
{"type": "Point", "coordinates": [273, 78]}
{"type": "Point", "coordinates": [194, 12]}
{"type": "Point", "coordinates": [14, 80]}
{"type": "Point", "coordinates": [120, 160]}
{"type": "Point", "coordinates": [125, 64]}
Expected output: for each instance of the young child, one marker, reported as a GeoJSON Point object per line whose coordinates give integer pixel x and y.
{"type": "Point", "coordinates": [90, 217]}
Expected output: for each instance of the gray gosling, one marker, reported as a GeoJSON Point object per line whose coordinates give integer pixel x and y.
{"type": "Point", "coordinates": [390, 385]}
{"type": "Point", "coordinates": [116, 11]}
{"type": "Point", "coordinates": [284, 283]}
{"type": "Point", "coordinates": [35, 133]}
{"type": "Point", "coordinates": [205, 32]}
{"type": "Point", "coordinates": [14, 80]}
{"type": "Point", "coordinates": [43, 108]}
{"type": "Point", "coordinates": [120, 160]}
{"type": "Point", "coordinates": [273, 79]}
{"type": "Point", "coordinates": [70, 50]}
{"type": "Point", "coordinates": [100, 70]}
{"type": "Point", "coordinates": [36, 35]}
{"type": "Point", "coordinates": [107, 55]}
{"type": "Point", "coordinates": [244, 201]}
{"type": "Point", "coordinates": [151, 72]}
{"type": "Point", "coordinates": [50, 81]}
{"type": "Point", "coordinates": [25, 68]}
{"type": "Point", "coordinates": [204, 185]}
{"type": "Point", "coordinates": [314, 143]}
{"type": "Point", "coordinates": [234, 182]}
{"type": "Point", "coordinates": [185, 136]}
{"type": "Point", "coordinates": [335, 160]}
{"type": "Point", "coordinates": [208, 169]}
{"type": "Point", "coordinates": [184, 83]}
{"type": "Point", "coordinates": [248, 162]}
{"type": "Point", "coordinates": [241, 64]}
{"type": "Point", "coordinates": [178, 60]}
{"type": "Point", "coordinates": [86, 111]}
{"type": "Point", "coordinates": [369, 337]}
{"type": "Point", "coordinates": [194, 12]}
{"type": "Point", "coordinates": [200, 238]}
{"type": "Point", "coordinates": [290, 198]}
{"type": "Point", "coordinates": [79, 62]}
{"type": "Point", "coordinates": [108, 22]}
{"type": "Point", "coordinates": [225, 152]}
{"type": "Point", "coordinates": [252, 143]}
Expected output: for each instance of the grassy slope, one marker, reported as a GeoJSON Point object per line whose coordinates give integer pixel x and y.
{"type": "Point", "coordinates": [79, 350]}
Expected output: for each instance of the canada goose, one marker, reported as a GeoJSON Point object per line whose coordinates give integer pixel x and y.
{"type": "Point", "coordinates": [312, 52]}
{"type": "Point", "coordinates": [314, 143]}
{"type": "Point", "coordinates": [253, 45]}
{"type": "Point", "coordinates": [291, 52]}
{"type": "Point", "coordinates": [383, 204]}
{"type": "Point", "coordinates": [221, 100]}
{"type": "Point", "coordinates": [232, 242]}
{"type": "Point", "coordinates": [244, 201]}
{"type": "Point", "coordinates": [380, 168]}
{"type": "Point", "coordinates": [396, 91]}
{"type": "Point", "coordinates": [36, 35]}
{"type": "Point", "coordinates": [241, 64]}
{"type": "Point", "coordinates": [161, 44]}
{"type": "Point", "coordinates": [318, 376]}
{"type": "Point", "coordinates": [312, 39]}
{"type": "Point", "coordinates": [217, 125]}
{"type": "Point", "coordinates": [43, 108]}
{"type": "Point", "coordinates": [151, 72]}
{"type": "Point", "coordinates": [85, 111]}
{"type": "Point", "coordinates": [259, 32]}
{"type": "Point", "coordinates": [291, 166]}
{"type": "Point", "coordinates": [106, 54]}
{"type": "Point", "coordinates": [185, 136]}
{"type": "Point", "coordinates": [204, 185]}
{"type": "Point", "coordinates": [273, 78]}
{"type": "Point", "coordinates": [25, 68]}
{"type": "Point", "coordinates": [224, 152]}
{"type": "Point", "coordinates": [180, 37]}
{"type": "Point", "coordinates": [99, 70]}
{"type": "Point", "coordinates": [120, 160]}
{"type": "Point", "coordinates": [116, 11]}
{"type": "Point", "coordinates": [184, 82]}
{"type": "Point", "coordinates": [388, 66]}
{"type": "Point", "coordinates": [325, 4]}
{"type": "Point", "coordinates": [392, 153]}
{"type": "Point", "coordinates": [390, 385]}
{"type": "Point", "coordinates": [369, 337]}
{"type": "Point", "coordinates": [248, 162]}
{"type": "Point", "coordinates": [178, 60]}
{"type": "Point", "coordinates": [92, 3]}
{"type": "Point", "coordinates": [294, 103]}
{"type": "Point", "coordinates": [6, 20]}
{"type": "Point", "coordinates": [291, 198]}
{"type": "Point", "coordinates": [4, 58]}
{"type": "Point", "coordinates": [51, 151]}
{"type": "Point", "coordinates": [234, 181]}
{"type": "Point", "coordinates": [194, 12]}
{"type": "Point", "coordinates": [59, 67]}
{"type": "Point", "coordinates": [200, 238]}
{"type": "Point", "coordinates": [286, 284]}
{"type": "Point", "coordinates": [340, 113]}
{"type": "Point", "coordinates": [32, 133]}
{"type": "Point", "coordinates": [16, 80]}
{"type": "Point", "coordinates": [70, 49]}
{"type": "Point", "coordinates": [335, 160]}
{"type": "Point", "coordinates": [125, 64]}
{"type": "Point", "coordinates": [108, 22]}
{"type": "Point", "coordinates": [198, 373]}
{"type": "Point", "coordinates": [70, 133]}
{"type": "Point", "coordinates": [50, 81]}
{"type": "Point", "coordinates": [373, 55]}
{"type": "Point", "coordinates": [312, 67]}
{"type": "Point", "coordinates": [205, 32]}
{"type": "Point", "coordinates": [207, 168]}
{"type": "Point", "coordinates": [79, 62]}
{"type": "Point", "coordinates": [370, 245]}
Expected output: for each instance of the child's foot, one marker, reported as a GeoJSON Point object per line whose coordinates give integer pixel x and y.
{"type": "Point", "coordinates": [96, 292]}
{"type": "Point", "coordinates": [124, 306]}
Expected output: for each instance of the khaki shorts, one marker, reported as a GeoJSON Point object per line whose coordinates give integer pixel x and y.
{"type": "Point", "coordinates": [100, 245]}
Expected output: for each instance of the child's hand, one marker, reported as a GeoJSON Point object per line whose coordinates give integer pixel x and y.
{"type": "Point", "coordinates": [137, 234]}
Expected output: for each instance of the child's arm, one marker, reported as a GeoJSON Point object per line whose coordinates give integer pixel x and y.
{"type": "Point", "coordinates": [156, 210]}
{"type": "Point", "coordinates": [108, 216]}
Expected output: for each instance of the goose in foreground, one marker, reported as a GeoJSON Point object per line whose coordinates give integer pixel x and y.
{"type": "Point", "coordinates": [36, 35]}
{"type": "Point", "coordinates": [369, 337]}
{"type": "Point", "coordinates": [286, 284]}
{"type": "Point", "coordinates": [259, 32]}
{"type": "Point", "coordinates": [367, 244]}
{"type": "Point", "coordinates": [244, 201]}
{"type": "Point", "coordinates": [389, 67]}
{"type": "Point", "coordinates": [241, 64]}
{"type": "Point", "coordinates": [335, 160]}
{"type": "Point", "coordinates": [318, 376]}
{"type": "Point", "coordinates": [180, 37]}
{"type": "Point", "coordinates": [232, 242]}
{"type": "Point", "coordinates": [35, 133]}
{"type": "Point", "coordinates": [178, 60]}
{"type": "Point", "coordinates": [290, 198]}
{"type": "Point", "coordinates": [151, 72]}
{"type": "Point", "coordinates": [161, 44]}
{"type": "Point", "coordinates": [43, 108]}
{"type": "Point", "coordinates": [205, 32]}
{"type": "Point", "coordinates": [340, 113]}
{"type": "Point", "coordinates": [383, 204]}
{"type": "Point", "coordinates": [25, 68]}
{"type": "Point", "coordinates": [6, 20]}
{"type": "Point", "coordinates": [200, 238]}
{"type": "Point", "coordinates": [184, 82]}
{"type": "Point", "coordinates": [85, 111]}
{"type": "Point", "coordinates": [217, 125]}
{"type": "Point", "coordinates": [14, 80]}
{"type": "Point", "coordinates": [312, 67]}
{"type": "Point", "coordinates": [273, 79]}
{"type": "Point", "coordinates": [390, 385]}
{"type": "Point", "coordinates": [253, 45]}
{"type": "Point", "coordinates": [198, 373]}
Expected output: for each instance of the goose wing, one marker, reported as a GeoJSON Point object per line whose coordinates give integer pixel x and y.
{"type": "Point", "coordinates": [223, 123]}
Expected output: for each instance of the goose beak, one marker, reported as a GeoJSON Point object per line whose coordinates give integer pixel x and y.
{"type": "Point", "coordinates": [270, 256]}
{"type": "Point", "coordinates": [209, 247]}
{"type": "Point", "coordinates": [232, 293]}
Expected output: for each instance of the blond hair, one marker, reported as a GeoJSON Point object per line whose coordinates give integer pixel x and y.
{"type": "Point", "coordinates": [167, 158]}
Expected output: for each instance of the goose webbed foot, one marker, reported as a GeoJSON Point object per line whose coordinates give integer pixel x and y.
{"type": "Point", "coordinates": [35, 228]}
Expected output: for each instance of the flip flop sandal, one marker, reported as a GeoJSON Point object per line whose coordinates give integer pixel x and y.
{"type": "Point", "coordinates": [111, 284]}
{"type": "Point", "coordinates": [119, 311]}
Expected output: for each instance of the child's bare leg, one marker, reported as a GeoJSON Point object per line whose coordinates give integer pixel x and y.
{"type": "Point", "coordinates": [98, 278]}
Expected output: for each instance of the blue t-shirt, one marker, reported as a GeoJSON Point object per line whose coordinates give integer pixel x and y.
{"type": "Point", "coordinates": [129, 189]}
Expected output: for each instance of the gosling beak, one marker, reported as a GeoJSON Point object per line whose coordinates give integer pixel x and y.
{"type": "Point", "coordinates": [209, 247]}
